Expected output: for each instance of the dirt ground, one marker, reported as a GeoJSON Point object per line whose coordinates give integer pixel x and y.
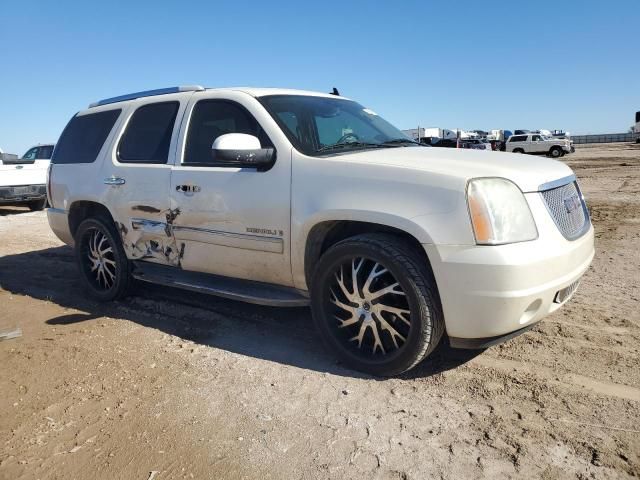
{"type": "Point", "coordinates": [168, 384]}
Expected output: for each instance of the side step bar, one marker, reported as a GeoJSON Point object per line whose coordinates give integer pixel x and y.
{"type": "Point", "coordinates": [232, 288]}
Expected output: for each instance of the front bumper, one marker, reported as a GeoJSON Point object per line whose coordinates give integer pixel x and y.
{"type": "Point", "coordinates": [491, 291]}
{"type": "Point", "coordinates": [22, 193]}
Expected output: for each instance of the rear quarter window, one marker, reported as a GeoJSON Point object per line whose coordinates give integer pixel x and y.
{"type": "Point", "coordinates": [84, 136]}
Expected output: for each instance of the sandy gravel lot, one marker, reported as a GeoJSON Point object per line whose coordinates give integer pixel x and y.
{"type": "Point", "coordinates": [168, 384]}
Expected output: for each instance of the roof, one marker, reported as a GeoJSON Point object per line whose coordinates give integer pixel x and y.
{"type": "Point", "coordinates": [255, 92]}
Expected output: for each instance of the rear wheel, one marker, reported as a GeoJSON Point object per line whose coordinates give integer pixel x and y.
{"type": "Point", "coordinates": [518, 150]}
{"type": "Point", "coordinates": [375, 304]}
{"type": "Point", "coordinates": [104, 267]}
{"type": "Point", "coordinates": [37, 204]}
{"type": "Point", "coordinates": [555, 152]}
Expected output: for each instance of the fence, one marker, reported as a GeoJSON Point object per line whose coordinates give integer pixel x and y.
{"type": "Point", "coordinates": [604, 138]}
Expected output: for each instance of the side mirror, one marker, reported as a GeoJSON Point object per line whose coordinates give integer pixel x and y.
{"type": "Point", "coordinates": [242, 150]}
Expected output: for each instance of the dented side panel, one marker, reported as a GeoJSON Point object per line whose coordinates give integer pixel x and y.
{"type": "Point", "coordinates": [152, 240]}
{"type": "Point", "coordinates": [141, 205]}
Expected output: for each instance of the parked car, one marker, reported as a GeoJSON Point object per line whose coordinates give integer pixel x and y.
{"type": "Point", "coordinates": [538, 144]}
{"type": "Point", "coordinates": [291, 198]}
{"type": "Point", "coordinates": [475, 144]}
{"type": "Point", "coordinates": [22, 180]}
{"type": "Point", "coordinates": [444, 143]}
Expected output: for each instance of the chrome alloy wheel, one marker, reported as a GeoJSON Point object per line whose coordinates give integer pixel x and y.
{"type": "Point", "coordinates": [371, 308]}
{"type": "Point", "coordinates": [101, 260]}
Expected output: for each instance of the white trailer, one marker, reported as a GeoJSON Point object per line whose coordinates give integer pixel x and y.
{"type": "Point", "coordinates": [433, 132]}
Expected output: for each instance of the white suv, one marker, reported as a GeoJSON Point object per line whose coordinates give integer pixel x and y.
{"type": "Point", "coordinates": [290, 198]}
{"type": "Point", "coordinates": [538, 144]}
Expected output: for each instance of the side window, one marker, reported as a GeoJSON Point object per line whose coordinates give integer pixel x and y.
{"type": "Point", "coordinates": [212, 118]}
{"type": "Point", "coordinates": [84, 136]}
{"type": "Point", "coordinates": [291, 122]}
{"type": "Point", "coordinates": [148, 134]}
{"type": "Point", "coordinates": [44, 152]}
{"type": "Point", "coordinates": [517, 138]}
{"type": "Point", "coordinates": [31, 154]}
{"type": "Point", "coordinates": [535, 138]}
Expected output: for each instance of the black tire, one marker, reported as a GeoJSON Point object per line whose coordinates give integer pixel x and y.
{"type": "Point", "coordinates": [37, 205]}
{"type": "Point", "coordinates": [555, 152]}
{"type": "Point", "coordinates": [115, 264]}
{"type": "Point", "coordinates": [518, 150]}
{"type": "Point", "coordinates": [403, 266]}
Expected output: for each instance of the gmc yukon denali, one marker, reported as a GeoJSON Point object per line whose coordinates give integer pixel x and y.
{"type": "Point", "coordinates": [292, 198]}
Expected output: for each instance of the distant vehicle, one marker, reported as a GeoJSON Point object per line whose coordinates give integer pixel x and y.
{"type": "Point", "coordinates": [521, 132]}
{"type": "Point", "coordinates": [443, 143]}
{"type": "Point", "coordinates": [433, 132]}
{"type": "Point", "coordinates": [475, 144]}
{"type": "Point", "coordinates": [636, 128]}
{"type": "Point", "coordinates": [23, 180]}
{"type": "Point", "coordinates": [535, 143]}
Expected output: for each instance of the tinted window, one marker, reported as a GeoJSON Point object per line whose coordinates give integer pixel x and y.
{"type": "Point", "coordinates": [84, 136]}
{"type": "Point", "coordinates": [148, 134]}
{"type": "Point", "coordinates": [517, 138]}
{"type": "Point", "coordinates": [44, 152]}
{"type": "Point", "coordinates": [535, 138]}
{"type": "Point", "coordinates": [212, 118]}
{"type": "Point", "coordinates": [31, 154]}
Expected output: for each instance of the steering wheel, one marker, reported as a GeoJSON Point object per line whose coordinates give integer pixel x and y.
{"type": "Point", "coordinates": [343, 139]}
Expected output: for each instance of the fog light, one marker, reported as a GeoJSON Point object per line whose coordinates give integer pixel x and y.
{"type": "Point", "coordinates": [531, 311]}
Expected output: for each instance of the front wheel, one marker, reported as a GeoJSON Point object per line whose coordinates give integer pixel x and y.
{"type": "Point", "coordinates": [375, 303]}
{"type": "Point", "coordinates": [555, 152]}
{"type": "Point", "coordinates": [104, 267]}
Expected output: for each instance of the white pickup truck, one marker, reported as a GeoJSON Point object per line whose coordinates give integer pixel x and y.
{"type": "Point", "coordinates": [290, 198]}
{"type": "Point", "coordinates": [538, 144]}
{"type": "Point", "coordinates": [23, 181]}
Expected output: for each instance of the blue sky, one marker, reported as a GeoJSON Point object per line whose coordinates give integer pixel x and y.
{"type": "Point", "coordinates": [545, 64]}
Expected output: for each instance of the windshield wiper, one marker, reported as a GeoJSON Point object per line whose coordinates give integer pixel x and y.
{"type": "Point", "coordinates": [401, 140]}
{"type": "Point", "coordinates": [336, 146]}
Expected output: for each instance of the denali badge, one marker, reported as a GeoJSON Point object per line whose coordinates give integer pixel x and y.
{"type": "Point", "coordinates": [571, 203]}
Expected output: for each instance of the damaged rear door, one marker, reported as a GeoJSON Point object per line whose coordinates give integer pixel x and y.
{"type": "Point", "coordinates": [138, 176]}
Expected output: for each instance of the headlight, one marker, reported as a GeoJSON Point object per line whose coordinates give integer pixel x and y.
{"type": "Point", "coordinates": [499, 212]}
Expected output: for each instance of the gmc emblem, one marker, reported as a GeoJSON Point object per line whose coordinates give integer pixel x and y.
{"type": "Point", "coordinates": [571, 203]}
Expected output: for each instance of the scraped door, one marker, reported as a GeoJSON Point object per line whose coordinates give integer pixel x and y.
{"type": "Point", "coordinates": [136, 179]}
{"type": "Point", "coordinates": [231, 221]}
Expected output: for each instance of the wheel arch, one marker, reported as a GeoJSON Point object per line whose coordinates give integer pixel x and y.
{"type": "Point", "coordinates": [322, 235]}
{"type": "Point", "coordinates": [80, 210]}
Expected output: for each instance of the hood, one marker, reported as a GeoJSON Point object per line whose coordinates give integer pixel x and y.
{"type": "Point", "coordinates": [527, 171]}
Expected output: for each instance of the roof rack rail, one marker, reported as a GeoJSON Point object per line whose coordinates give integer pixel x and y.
{"type": "Point", "coordinates": [148, 93]}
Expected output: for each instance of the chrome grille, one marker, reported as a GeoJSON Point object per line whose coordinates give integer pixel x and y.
{"type": "Point", "coordinates": [567, 207]}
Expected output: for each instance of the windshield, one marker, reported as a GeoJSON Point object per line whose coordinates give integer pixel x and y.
{"type": "Point", "coordinates": [319, 125]}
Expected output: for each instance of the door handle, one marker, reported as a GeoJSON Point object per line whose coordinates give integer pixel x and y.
{"type": "Point", "coordinates": [187, 188]}
{"type": "Point", "coordinates": [114, 181]}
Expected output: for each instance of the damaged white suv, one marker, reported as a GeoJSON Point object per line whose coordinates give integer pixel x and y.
{"type": "Point", "coordinates": [290, 198]}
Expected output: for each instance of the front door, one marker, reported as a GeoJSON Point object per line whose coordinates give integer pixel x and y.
{"type": "Point", "coordinates": [536, 145]}
{"type": "Point", "coordinates": [231, 221]}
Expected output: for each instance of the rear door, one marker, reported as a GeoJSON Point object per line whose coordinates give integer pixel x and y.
{"type": "Point", "coordinates": [227, 220]}
{"type": "Point", "coordinates": [136, 177]}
